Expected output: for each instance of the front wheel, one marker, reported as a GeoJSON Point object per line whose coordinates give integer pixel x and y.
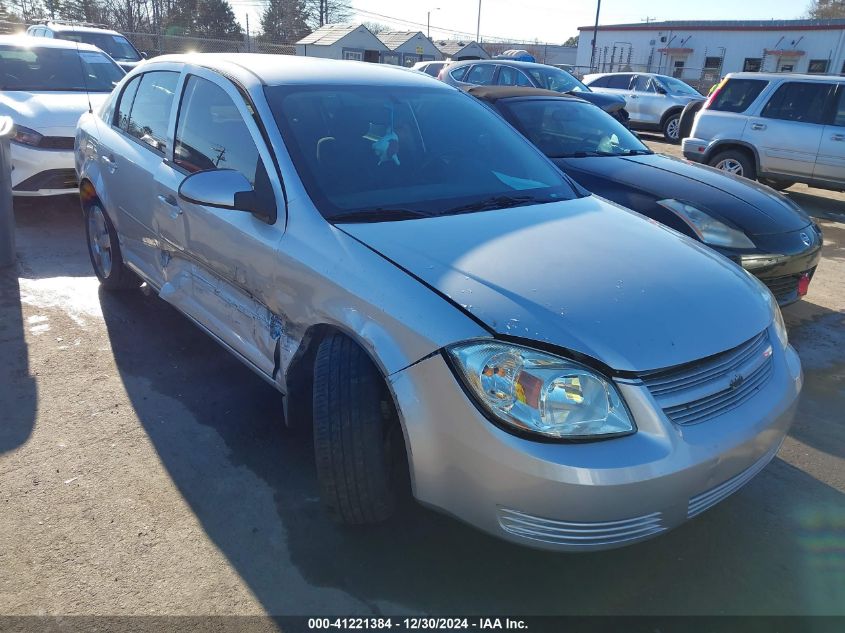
{"type": "Point", "coordinates": [672, 128]}
{"type": "Point", "coordinates": [104, 250]}
{"type": "Point", "coordinates": [734, 162]}
{"type": "Point", "coordinates": [358, 441]}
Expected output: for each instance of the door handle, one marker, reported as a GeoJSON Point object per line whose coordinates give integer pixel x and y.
{"type": "Point", "coordinates": [109, 162]}
{"type": "Point", "coordinates": [171, 202]}
{"type": "Point", "coordinates": [758, 126]}
{"type": "Point", "coordinates": [838, 137]}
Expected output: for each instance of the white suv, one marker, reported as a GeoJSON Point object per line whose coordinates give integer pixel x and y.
{"type": "Point", "coordinates": [779, 129]}
{"type": "Point", "coordinates": [116, 45]}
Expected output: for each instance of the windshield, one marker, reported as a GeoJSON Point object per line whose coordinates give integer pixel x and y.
{"type": "Point", "coordinates": [564, 128]}
{"type": "Point", "coordinates": [56, 69]}
{"type": "Point", "coordinates": [678, 87]}
{"type": "Point", "coordinates": [117, 46]}
{"type": "Point", "coordinates": [556, 79]}
{"type": "Point", "coordinates": [399, 152]}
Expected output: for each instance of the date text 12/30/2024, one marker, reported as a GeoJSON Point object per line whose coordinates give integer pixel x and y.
{"type": "Point", "coordinates": [417, 624]}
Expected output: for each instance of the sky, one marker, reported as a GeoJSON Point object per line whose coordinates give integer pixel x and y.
{"type": "Point", "coordinates": [551, 21]}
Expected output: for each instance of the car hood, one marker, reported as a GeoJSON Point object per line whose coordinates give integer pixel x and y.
{"type": "Point", "coordinates": [751, 207]}
{"type": "Point", "coordinates": [607, 102]}
{"type": "Point", "coordinates": [50, 113]}
{"type": "Point", "coordinates": [584, 275]}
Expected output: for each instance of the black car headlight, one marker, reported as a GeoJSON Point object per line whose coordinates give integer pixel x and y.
{"type": "Point", "coordinates": [541, 394]}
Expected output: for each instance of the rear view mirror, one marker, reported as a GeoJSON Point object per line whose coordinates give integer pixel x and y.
{"type": "Point", "coordinates": [222, 189]}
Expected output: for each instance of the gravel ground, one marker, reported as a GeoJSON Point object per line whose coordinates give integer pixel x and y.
{"type": "Point", "coordinates": [144, 471]}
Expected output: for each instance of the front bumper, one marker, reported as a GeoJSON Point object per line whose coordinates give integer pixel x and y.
{"type": "Point", "coordinates": [584, 496]}
{"type": "Point", "coordinates": [42, 172]}
{"type": "Point", "coordinates": [783, 260]}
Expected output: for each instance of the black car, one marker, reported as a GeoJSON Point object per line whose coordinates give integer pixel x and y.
{"type": "Point", "coordinates": [758, 228]}
{"type": "Point", "coordinates": [501, 72]}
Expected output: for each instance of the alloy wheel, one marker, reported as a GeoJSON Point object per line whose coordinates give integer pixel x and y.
{"type": "Point", "coordinates": [100, 241]}
{"type": "Point", "coordinates": [731, 166]}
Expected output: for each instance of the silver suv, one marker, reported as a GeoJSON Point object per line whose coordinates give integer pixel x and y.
{"type": "Point", "coordinates": [778, 129]}
{"type": "Point", "coordinates": [655, 102]}
{"type": "Point", "coordinates": [110, 42]}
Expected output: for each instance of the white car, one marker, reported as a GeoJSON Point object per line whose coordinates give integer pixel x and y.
{"type": "Point", "coordinates": [45, 86]}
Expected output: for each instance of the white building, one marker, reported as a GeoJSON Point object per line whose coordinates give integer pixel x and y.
{"type": "Point", "coordinates": [701, 51]}
{"type": "Point", "coordinates": [408, 47]}
{"type": "Point", "coordinates": [342, 41]}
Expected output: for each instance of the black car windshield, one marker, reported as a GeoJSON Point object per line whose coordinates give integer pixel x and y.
{"type": "Point", "coordinates": [677, 87]}
{"type": "Point", "coordinates": [564, 128]}
{"type": "Point", "coordinates": [36, 69]}
{"type": "Point", "coordinates": [117, 46]}
{"type": "Point", "coordinates": [382, 152]}
{"type": "Point", "coordinates": [552, 78]}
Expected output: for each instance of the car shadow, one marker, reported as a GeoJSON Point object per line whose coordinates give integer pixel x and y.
{"type": "Point", "coordinates": [817, 204]}
{"type": "Point", "coordinates": [53, 230]}
{"type": "Point", "coordinates": [218, 431]}
{"type": "Point", "coordinates": [18, 390]}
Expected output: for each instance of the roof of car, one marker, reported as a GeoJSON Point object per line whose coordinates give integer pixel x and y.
{"type": "Point", "coordinates": [786, 76]}
{"type": "Point", "coordinates": [58, 26]}
{"type": "Point", "coordinates": [505, 62]}
{"type": "Point", "coordinates": [291, 69]}
{"type": "Point", "coordinates": [27, 41]}
{"type": "Point", "coordinates": [497, 93]}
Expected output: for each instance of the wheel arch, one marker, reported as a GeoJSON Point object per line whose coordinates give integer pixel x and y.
{"type": "Point", "coordinates": [723, 146]}
{"type": "Point", "coordinates": [669, 114]}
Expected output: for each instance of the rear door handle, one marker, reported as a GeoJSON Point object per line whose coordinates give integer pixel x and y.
{"type": "Point", "coordinates": [838, 137]}
{"type": "Point", "coordinates": [758, 126]}
{"type": "Point", "coordinates": [171, 202]}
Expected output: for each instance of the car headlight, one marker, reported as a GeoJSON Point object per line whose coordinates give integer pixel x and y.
{"type": "Point", "coordinates": [777, 321]}
{"type": "Point", "coordinates": [708, 229]}
{"type": "Point", "coordinates": [541, 394]}
{"type": "Point", "coordinates": [27, 136]}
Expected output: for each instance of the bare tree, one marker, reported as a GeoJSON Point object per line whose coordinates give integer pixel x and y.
{"type": "Point", "coordinates": [827, 9]}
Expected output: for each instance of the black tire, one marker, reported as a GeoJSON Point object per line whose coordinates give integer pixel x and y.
{"type": "Point", "coordinates": [671, 127]}
{"type": "Point", "coordinates": [725, 161]}
{"type": "Point", "coordinates": [358, 441]}
{"type": "Point", "coordinates": [778, 185]}
{"type": "Point", "coordinates": [688, 118]}
{"type": "Point", "coordinates": [99, 230]}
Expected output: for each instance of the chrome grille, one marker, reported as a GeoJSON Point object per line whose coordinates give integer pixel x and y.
{"type": "Point", "coordinates": [708, 499]}
{"type": "Point", "coordinates": [580, 535]}
{"type": "Point", "coordinates": [698, 391]}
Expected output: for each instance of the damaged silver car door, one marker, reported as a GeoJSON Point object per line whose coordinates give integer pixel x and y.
{"type": "Point", "coordinates": [224, 249]}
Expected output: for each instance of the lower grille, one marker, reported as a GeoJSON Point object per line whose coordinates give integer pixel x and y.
{"type": "Point", "coordinates": [49, 179]}
{"type": "Point", "coordinates": [785, 288]}
{"type": "Point", "coordinates": [584, 535]}
{"type": "Point", "coordinates": [698, 391]}
{"type": "Point", "coordinates": [705, 500]}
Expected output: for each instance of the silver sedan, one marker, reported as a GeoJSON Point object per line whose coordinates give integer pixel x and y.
{"type": "Point", "coordinates": [453, 316]}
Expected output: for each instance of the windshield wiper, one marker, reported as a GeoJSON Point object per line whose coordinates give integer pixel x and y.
{"type": "Point", "coordinates": [380, 214]}
{"type": "Point", "coordinates": [498, 202]}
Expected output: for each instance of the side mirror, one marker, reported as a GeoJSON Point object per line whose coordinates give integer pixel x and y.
{"type": "Point", "coordinates": [222, 189]}
{"type": "Point", "coordinates": [145, 55]}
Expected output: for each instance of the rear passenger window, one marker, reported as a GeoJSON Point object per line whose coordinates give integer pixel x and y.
{"type": "Point", "coordinates": [798, 101]}
{"type": "Point", "coordinates": [124, 106]}
{"type": "Point", "coordinates": [458, 73]}
{"type": "Point", "coordinates": [601, 82]}
{"type": "Point", "coordinates": [642, 84]}
{"type": "Point", "coordinates": [481, 74]}
{"type": "Point", "coordinates": [150, 111]}
{"type": "Point", "coordinates": [737, 94]}
{"type": "Point", "coordinates": [619, 82]}
{"type": "Point", "coordinates": [211, 133]}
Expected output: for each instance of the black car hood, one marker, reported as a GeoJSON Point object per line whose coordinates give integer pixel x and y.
{"type": "Point", "coordinates": [607, 102]}
{"type": "Point", "coordinates": [638, 182]}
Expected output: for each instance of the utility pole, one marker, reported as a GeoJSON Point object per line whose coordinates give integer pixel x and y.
{"type": "Point", "coordinates": [595, 34]}
{"type": "Point", "coordinates": [247, 32]}
{"type": "Point", "coordinates": [428, 22]}
{"type": "Point", "coordinates": [478, 26]}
